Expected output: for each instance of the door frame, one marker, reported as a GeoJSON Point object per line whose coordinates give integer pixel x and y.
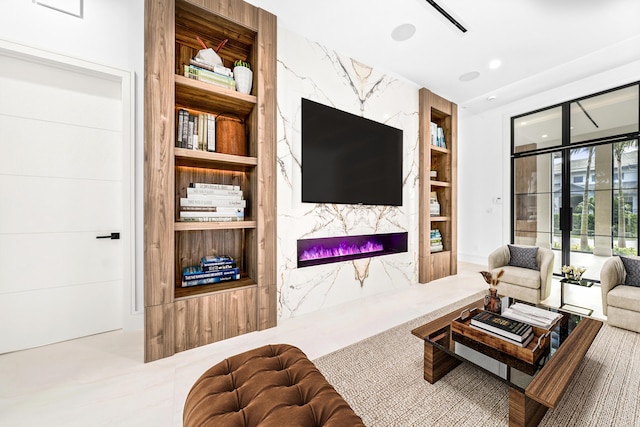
{"type": "Point", "coordinates": [131, 317]}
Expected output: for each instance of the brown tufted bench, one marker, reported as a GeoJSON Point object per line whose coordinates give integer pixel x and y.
{"type": "Point", "coordinates": [274, 385]}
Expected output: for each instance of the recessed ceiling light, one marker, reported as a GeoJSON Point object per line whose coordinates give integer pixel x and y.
{"type": "Point", "coordinates": [523, 123]}
{"type": "Point", "coordinates": [491, 97]}
{"type": "Point", "coordinates": [403, 32]}
{"type": "Point", "coordinates": [495, 63]}
{"type": "Point", "coordinates": [469, 76]}
{"type": "Point", "coordinates": [545, 135]}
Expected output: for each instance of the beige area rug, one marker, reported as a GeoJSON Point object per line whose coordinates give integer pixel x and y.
{"type": "Point", "coordinates": [381, 378]}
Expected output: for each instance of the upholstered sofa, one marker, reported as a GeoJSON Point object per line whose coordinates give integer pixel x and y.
{"type": "Point", "coordinates": [269, 386]}
{"type": "Point", "coordinates": [527, 271]}
{"type": "Point", "coordinates": [620, 285]}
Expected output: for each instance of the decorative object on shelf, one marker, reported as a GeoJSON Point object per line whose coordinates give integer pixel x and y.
{"type": "Point", "coordinates": [243, 75]}
{"type": "Point", "coordinates": [231, 137]}
{"type": "Point", "coordinates": [492, 301]}
{"type": "Point", "coordinates": [572, 272]}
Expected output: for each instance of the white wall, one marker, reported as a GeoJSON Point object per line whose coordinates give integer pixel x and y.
{"type": "Point", "coordinates": [484, 161]}
{"type": "Point", "coordinates": [110, 33]}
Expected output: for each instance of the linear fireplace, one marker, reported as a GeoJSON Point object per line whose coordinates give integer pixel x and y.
{"type": "Point", "coordinates": [344, 248]}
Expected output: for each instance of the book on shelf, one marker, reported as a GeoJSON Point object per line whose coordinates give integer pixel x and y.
{"type": "Point", "coordinates": [227, 209]}
{"type": "Point", "coordinates": [523, 343]}
{"type": "Point", "coordinates": [195, 131]}
{"type": "Point", "coordinates": [187, 201]}
{"type": "Point", "coordinates": [218, 266]}
{"type": "Point", "coordinates": [214, 259]}
{"type": "Point", "coordinates": [196, 272]}
{"type": "Point", "coordinates": [205, 216]}
{"type": "Point", "coordinates": [220, 69]}
{"type": "Point", "coordinates": [214, 186]}
{"type": "Point", "coordinates": [210, 280]}
{"type": "Point", "coordinates": [207, 76]}
{"type": "Point", "coordinates": [204, 196]}
{"type": "Point", "coordinates": [192, 191]}
{"type": "Point", "coordinates": [436, 134]}
{"type": "Point", "coordinates": [535, 316]}
{"type": "Point", "coordinates": [503, 326]}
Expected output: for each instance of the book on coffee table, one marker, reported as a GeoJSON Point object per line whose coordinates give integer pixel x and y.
{"type": "Point", "coordinates": [532, 315]}
{"type": "Point", "coordinates": [513, 330]}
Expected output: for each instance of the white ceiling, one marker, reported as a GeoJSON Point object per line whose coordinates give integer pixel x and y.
{"type": "Point", "coordinates": [541, 43]}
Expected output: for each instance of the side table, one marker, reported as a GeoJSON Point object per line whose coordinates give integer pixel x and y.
{"type": "Point", "coordinates": [571, 307]}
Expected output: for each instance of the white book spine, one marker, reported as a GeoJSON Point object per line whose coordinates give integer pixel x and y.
{"type": "Point", "coordinates": [209, 202]}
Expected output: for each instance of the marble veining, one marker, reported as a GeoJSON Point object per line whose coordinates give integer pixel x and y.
{"type": "Point", "coordinates": [309, 70]}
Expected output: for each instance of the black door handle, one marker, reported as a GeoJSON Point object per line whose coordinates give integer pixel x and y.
{"type": "Point", "coordinates": [112, 236]}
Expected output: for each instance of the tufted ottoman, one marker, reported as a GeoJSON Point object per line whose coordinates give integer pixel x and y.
{"type": "Point", "coordinates": [274, 385]}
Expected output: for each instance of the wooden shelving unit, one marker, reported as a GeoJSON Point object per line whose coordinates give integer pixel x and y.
{"type": "Point", "coordinates": [435, 265]}
{"type": "Point", "coordinates": [178, 318]}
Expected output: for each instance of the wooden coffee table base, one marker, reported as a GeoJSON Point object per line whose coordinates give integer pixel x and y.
{"type": "Point", "coordinates": [527, 408]}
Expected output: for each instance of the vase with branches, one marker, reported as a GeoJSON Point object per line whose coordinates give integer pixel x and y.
{"type": "Point", "coordinates": [492, 301]}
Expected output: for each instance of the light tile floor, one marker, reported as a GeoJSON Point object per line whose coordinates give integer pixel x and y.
{"type": "Point", "coordinates": [101, 380]}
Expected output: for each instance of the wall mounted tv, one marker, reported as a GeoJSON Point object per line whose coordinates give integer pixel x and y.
{"type": "Point", "coordinates": [348, 159]}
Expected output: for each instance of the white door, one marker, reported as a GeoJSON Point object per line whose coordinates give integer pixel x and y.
{"type": "Point", "coordinates": [61, 178]}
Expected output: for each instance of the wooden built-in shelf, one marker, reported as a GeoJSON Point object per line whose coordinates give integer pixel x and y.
{"type": "Point", "coordinates": [435, 149]}
{"type": "Point", "coordinates": [205, 159]}
{"type": "Point", "coordinates": [193, 291]}
{"type": "Point", "coordinates": [198, 95]}
{"type": "Point", "coordinates": [439, 183]}
{"type": "Point", "coordinates": [440, 218]}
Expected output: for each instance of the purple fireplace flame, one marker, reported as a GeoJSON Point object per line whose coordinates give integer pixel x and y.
{"type": "Point", "coordinates": [344, 248]}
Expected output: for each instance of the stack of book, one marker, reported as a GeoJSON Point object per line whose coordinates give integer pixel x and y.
{"type": "Point", "coordinates": [212, 269]}
{"type": "Point", "coordinates": [196, 131]}
{"type": "Point", "coordinates": [513, 331]}
{"type": "Point", "coordinates": [212, 202]}
{"type": "Point", "coordinates": [434, 206]}
{"type": "Point", "coordinates": [436, 241]}
{"type": "Point", "coordinates": [535, 316]}
{"type": "Point", "coordinates": [437, 135]}
{"type": "Point", "coordinates": [199, 72]}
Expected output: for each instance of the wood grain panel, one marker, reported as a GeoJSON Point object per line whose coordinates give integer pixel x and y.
{"type": "Point", "coordinates": [158, 183]}
{"type": "Point", "coordinates": [453, 231]}
{"type": "Point", "coordinates": [435, 325]}
{"type": "Point", "coordinates": [159, 329]}
{"type": "Point", "coordinates": [550, 384]}
{"type": "Point", "coordinates": [437, 363]}
{"type": "Point", "coordinates": [424, 166]}
{"type": "Point", "coordinates": [210, 98]}
{"type": "Point", "coordinates": [266, 250]}
{"type": "Point", "coordinates": [524, 412]}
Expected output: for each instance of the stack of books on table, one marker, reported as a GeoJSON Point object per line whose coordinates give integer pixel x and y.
{"type": "Point", "coordinates": [212, 269]}
{"type": "Point", "coordinates": [535, 316]}
{"type": "Point", "coordinates": [436, 241]}
{"type": "Point", "coordinates": [212, 202]}
{"type": "Point", "coordinates": [513, 331]}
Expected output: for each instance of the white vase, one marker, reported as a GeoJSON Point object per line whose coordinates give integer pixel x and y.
{"type": "Point", "coordinates": [244, 79]}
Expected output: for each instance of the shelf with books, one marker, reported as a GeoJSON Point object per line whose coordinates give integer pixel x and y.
{"type": "Point", "coordinates": [205, 96]}
{"type": "Point", "coordinates": [438, 186]}
{"type": "Point", "coordinates": [178, 233]}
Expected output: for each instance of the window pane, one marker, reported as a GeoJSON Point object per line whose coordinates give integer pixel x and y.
{"type": "Point", "coordinates": [625, 198]}
{"type": "Point", "coordinates": [538, 130]}
{"type": "Point", "coordinates": [609, 114]}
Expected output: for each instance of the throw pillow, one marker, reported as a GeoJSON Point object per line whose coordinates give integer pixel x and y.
{"type": "Point", "coordinates": [523, 257]}
{"type": "Point", "coordinates": [632, 268]}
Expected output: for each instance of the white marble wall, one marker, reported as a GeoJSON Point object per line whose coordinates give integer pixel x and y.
{"type": "Point", "coordinates": [309, 70]}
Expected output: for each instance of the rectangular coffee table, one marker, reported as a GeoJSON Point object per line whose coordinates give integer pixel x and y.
{"type": "Point", "coordinates": [533, 388]}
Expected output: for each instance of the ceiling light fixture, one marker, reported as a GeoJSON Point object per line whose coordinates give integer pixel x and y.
{"type": "Point", "coordinates": [491, 97]}
{"type": "Point", "coordinates": [444, 13]}
{"type": "Point", "coordinates": [495, 63]}
{"type": "Point", "coordinates": [469, 76]}
{"type": "Point", "coordinates": [403, 32]}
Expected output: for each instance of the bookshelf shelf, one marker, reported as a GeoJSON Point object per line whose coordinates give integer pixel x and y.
{"type": "Point", "coordinates": [439, 229]}
{"type": "Point", "coordinates": [209, 160]}
{"type": "Point", "coordinates": [204, 96]}
{"type": "Point", "coordinates": [198, 226]}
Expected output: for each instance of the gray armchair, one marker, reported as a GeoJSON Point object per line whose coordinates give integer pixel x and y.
{"type": "Point", "coordinates": [532, 284]}
{"type": "Point", "coordinates": [620, 302]}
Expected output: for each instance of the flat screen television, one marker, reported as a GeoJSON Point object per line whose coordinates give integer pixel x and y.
{"type": "Point", "coordinates": [348, 159]}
